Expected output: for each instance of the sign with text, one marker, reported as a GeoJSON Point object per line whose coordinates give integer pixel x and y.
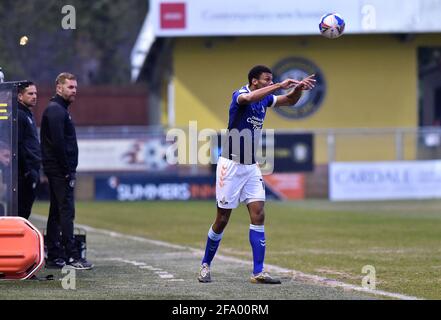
{"type": "Point", "coordinates": [183, 188]}
{"type": "Point", "coordinates": [173, 18]}
{"type": "Point", "coordinates": [147, 154]}
{"type": "Point", "coordinates": [384, 180]}
{"type": "Point", "coordinates": [293, 152]}
{"type": "Point", "coordinates": [148, 188]}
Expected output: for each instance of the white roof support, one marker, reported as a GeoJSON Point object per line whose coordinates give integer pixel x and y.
{"type": "Point", "coordinates": [140, 51]}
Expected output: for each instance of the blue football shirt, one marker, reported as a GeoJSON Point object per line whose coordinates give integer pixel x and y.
{"type": "Point", "coordinates": [246, 119]}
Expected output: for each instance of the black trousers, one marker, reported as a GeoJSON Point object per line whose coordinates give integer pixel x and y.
{"type": "Point", "coordinates": [26, 197]}
{"type": "Point", "coordinates": [60, 223]}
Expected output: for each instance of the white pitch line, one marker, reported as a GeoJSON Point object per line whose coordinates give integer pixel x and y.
{"type": "Point", "coordinates": [296, 274]}
{"type": "Point", "coordinates": [135, 263]}
{"type": "Point", "coordinates": [150, 268]}
{"type": "Point", "coordinates": [141, 265]}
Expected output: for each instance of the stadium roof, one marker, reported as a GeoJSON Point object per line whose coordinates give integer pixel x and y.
{"type": "Point", "coordinates": [190, 18]}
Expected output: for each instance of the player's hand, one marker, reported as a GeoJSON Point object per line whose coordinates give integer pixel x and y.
{"type": "Point", "coordinates": [307, 84]}
{"type": "Point", "coordinates": [289, 83]}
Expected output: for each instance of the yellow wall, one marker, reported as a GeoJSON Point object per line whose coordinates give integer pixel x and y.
{"type": "Point", "coordinates": [371, 81]}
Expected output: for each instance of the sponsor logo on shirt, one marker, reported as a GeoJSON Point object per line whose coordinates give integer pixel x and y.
{"type": "Point", "coordinates": [256, 122]}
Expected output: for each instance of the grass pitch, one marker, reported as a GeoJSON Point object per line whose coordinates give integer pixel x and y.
{"type": "Point", "coordinates": [334, 240]}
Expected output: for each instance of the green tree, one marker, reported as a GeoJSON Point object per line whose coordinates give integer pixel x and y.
{"type": "Point", "coordinates": [97, 51]}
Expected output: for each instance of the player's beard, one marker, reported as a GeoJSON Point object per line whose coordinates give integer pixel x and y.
{"type": "Point", "coordinates": [71, 98]}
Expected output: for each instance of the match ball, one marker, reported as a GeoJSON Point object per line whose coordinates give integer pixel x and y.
{"type": "Point", "coordinates": [24, 40]}
{"type": "Point", "coordinates": [332, 25]}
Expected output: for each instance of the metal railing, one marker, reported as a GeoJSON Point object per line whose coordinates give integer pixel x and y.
{"type": "Point", "coordinates": [342, 144]}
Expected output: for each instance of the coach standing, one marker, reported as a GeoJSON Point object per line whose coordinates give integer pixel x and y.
{"type": "Point", "coordinates": [60, 159]}
{"type": "Point", "coordinates": [29, 155]}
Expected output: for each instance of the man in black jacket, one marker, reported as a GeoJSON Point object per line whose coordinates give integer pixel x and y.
{"type": "Point", "coordinates": [29, 155]}
{"type": "Point", "coordinates": [60, 159]}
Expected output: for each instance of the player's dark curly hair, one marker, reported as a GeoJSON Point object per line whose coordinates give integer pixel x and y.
{"type": "Point", "coordinates": [256, 71]}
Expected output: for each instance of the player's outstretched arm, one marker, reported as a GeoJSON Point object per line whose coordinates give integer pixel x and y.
{"type": "Point", "coordinates": [259, 94]}
{"type": "Point", "coordinates": [291, 98]}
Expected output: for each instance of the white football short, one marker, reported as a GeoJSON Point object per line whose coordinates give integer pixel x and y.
{"type": "Point", "coordinates": [237, 183]}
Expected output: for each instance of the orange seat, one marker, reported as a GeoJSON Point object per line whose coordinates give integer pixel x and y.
{"type": "Point", "coordinates": [21, 249]}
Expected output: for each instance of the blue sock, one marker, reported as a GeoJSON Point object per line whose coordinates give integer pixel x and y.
{"type": "Point", "coordinates": [257, 241]}
{"type": "Point", "coordinates": [213, 241]}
